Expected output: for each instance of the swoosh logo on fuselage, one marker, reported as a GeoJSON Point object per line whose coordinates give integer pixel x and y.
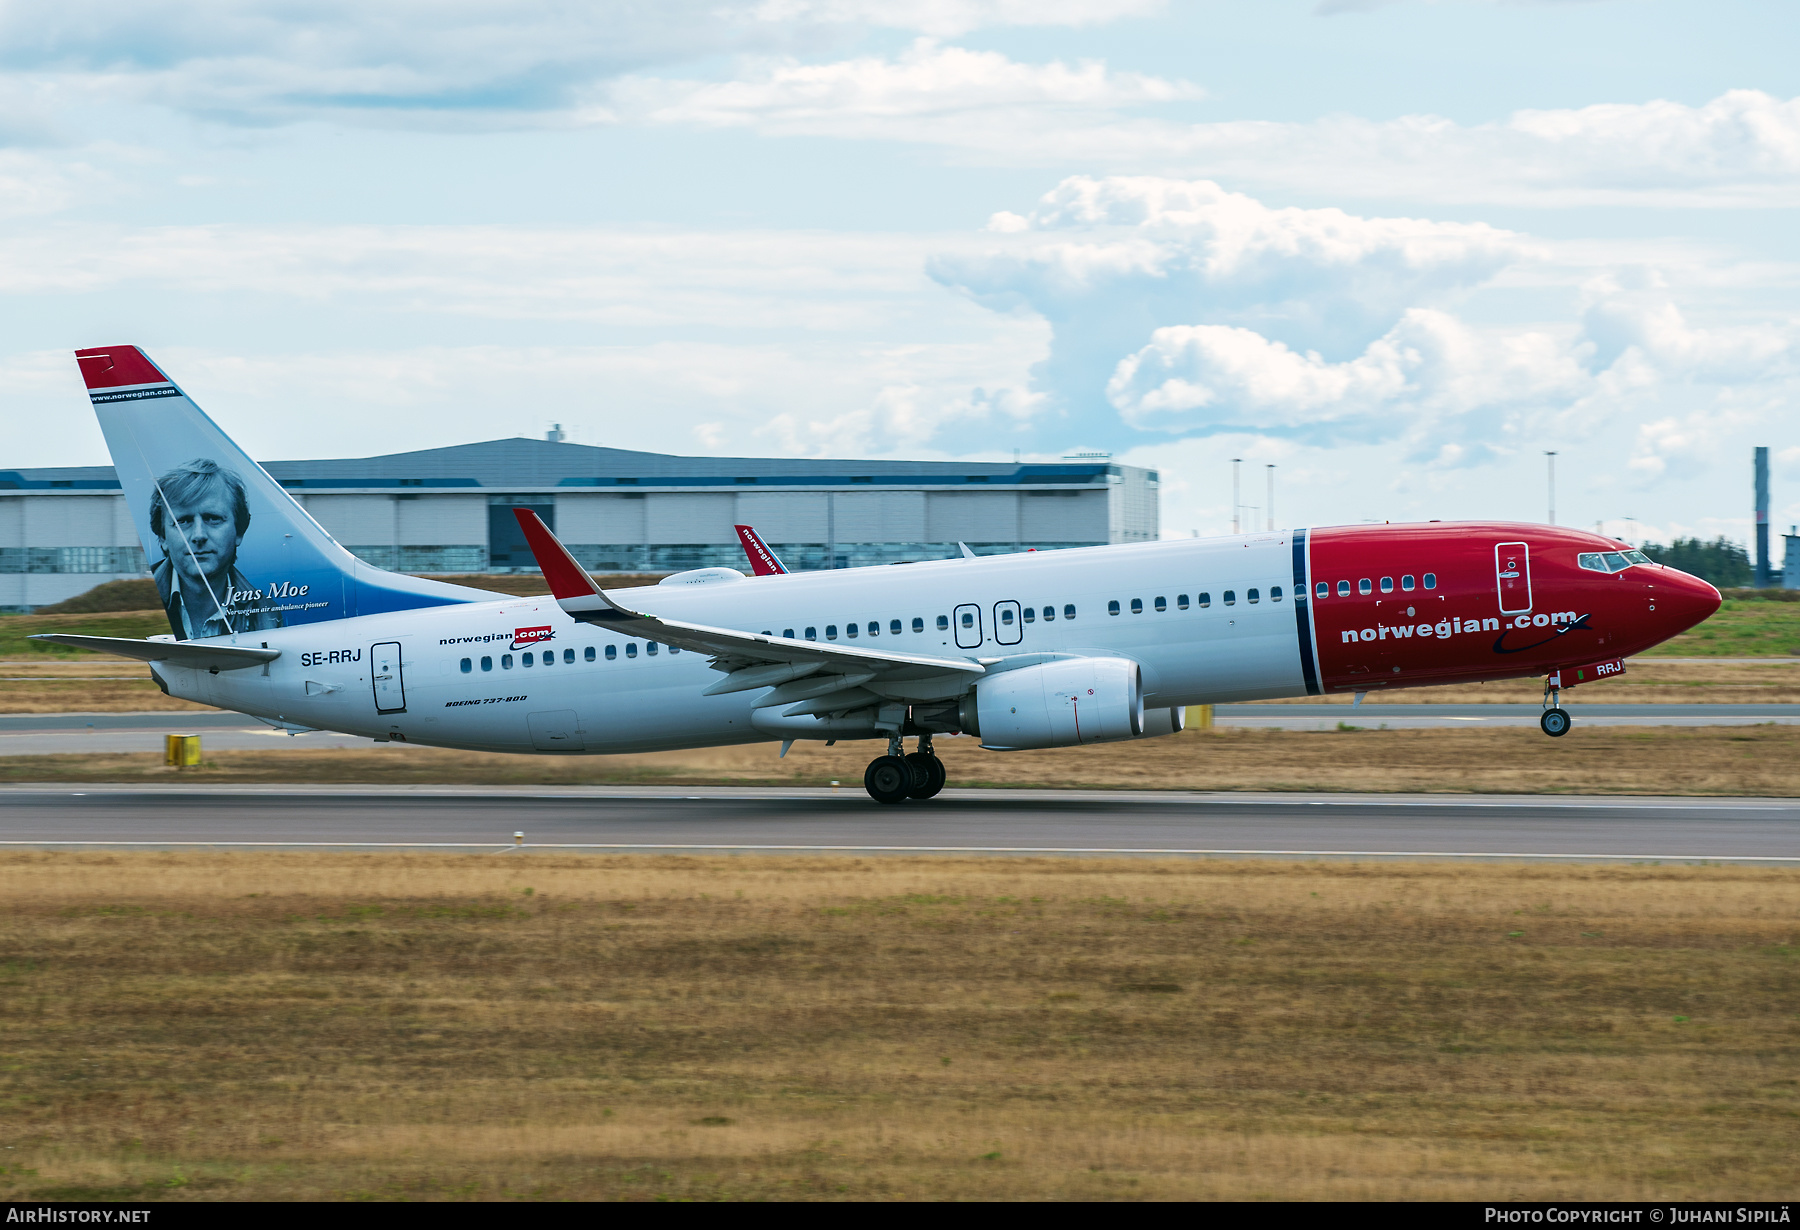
{"type": "Point", "coordinates": [1500, 641]}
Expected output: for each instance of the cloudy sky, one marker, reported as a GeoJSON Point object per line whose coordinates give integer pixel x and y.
{"type": "Point", "coordinates": [1397, 249]}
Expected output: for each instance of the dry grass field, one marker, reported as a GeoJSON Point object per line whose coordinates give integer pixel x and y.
{"type": "Point", "coordinates": [343, 1026]}
{"type": "Point", "coordinates": [1759, 760]}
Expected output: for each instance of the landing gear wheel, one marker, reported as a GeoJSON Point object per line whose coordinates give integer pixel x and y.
{"type": "Point", "coordinates": [1555, 722]}
{"type": "Point", "coordinates": [928, 775]}
{"type": "Point", "coordinates": [888, 779]}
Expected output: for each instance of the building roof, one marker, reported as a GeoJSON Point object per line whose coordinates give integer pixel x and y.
{"type": "Point", "coordinates": [521, 462]}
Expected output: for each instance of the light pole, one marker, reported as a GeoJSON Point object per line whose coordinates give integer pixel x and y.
{"type": "Point", "coordinates": [1552, 457]}
{"type": "Point", "coordinates": [1236, 502]}
{"type": "Point", "coordinates": [1269, 504]}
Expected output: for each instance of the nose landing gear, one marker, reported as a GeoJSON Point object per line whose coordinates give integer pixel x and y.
{"type": "Point", "coordinates": [896, 777]}
{"type": "Point", "coordinates": [1556, 720]}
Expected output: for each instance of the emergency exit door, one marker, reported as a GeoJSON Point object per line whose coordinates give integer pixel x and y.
{"type": "Point", "coordinates": [390, 684]}
{"type": "Point", "coordinates": [1512, 574]}
{"type": "Point", "coordinates": [968, 626]}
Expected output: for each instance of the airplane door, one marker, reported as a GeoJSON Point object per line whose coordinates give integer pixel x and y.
{"type": "Point", "coordinates": [1512, 573]}
{"type": "Point", "coordinates": [968, 626]}
{"type": "Point", "coordinates": [390, 685]}
{"type": "Point", "coordinates": [1009, 629]}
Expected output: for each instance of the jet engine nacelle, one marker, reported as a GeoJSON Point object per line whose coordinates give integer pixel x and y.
{"type": "Point", "coordinates": [1059, 704]}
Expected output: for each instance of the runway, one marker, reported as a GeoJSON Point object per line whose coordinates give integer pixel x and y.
{"type": "Point", "coordinates": [36, 734]}
{"type": "Point", "coordinates": [968, 821]}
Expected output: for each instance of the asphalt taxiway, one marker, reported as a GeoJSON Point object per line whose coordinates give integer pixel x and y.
{"type": "Point", "coordinates": [972, 821]}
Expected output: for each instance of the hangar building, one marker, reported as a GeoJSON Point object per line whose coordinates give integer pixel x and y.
{"type": "Point", "coordinates": [447, 511]}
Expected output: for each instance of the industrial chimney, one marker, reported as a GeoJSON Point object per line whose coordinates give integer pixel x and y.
{"type": "Point", "coordinates": [1764, 576]}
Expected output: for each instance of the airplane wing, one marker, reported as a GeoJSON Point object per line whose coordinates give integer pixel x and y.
{"type": "Point", "coordinates": [197, 654]}
{"type": "Point", "coordinates": [763, 562]}
{"type": "Point", "coordinates": [753, 660]}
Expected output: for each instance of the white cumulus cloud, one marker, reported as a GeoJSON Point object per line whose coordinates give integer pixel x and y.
{"type": "Point", "coordinates": [928, 84]}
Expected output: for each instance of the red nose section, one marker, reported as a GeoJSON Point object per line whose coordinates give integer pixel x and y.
{"type": "Point", "coordinates": [1682, 601]}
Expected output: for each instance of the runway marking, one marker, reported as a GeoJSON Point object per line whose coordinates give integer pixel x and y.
{"type": "Point", "coordinates": [589, 845]}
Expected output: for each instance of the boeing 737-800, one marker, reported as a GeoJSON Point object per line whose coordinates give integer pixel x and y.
{"type": "Point", "coordinates": [269, 616]}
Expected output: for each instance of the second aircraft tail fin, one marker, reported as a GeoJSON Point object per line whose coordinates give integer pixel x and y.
{"type": "Point", "coordinates": [763, 561]}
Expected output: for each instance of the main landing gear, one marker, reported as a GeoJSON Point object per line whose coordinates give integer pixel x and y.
{"type": "Point", "coordinates": [1556, 720]}
{"type": "Point", "coordinates": [896, 777]}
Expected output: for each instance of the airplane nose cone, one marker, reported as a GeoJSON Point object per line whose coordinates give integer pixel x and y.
{"type": "Point", "coordinates": [1683, 600]}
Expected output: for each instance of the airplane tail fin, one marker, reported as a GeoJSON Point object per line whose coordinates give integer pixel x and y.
{"type": "Point", "coordinates": [763, 562]}
{"type": "Point", "coordinates": [230, 550]}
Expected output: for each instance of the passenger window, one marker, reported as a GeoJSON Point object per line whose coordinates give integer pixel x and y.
{"type": "Point", "coordinates": [1030, 614]}
{"type": "Point", "coordinates": [1343, 589]}
{"type": "Point", "coordinates": [943, 622]}
{"type": "Point", "coordinates": [506, 661]}
{"type": "Point", "coordinates": [1363, 586]}
{"type": "Point", "coordinates": [1406, 582]}
{"type": "Point", "coordinates": [788, 633]}
{"type": "Point", "coordinates": [1322, 590]}
{"type": "Point", "coordinates": [1275, 593]}
{"type": "Point", "coordinates": [1431, 580]}
{"type": "Point", "coordinates": [1251, 595]}
{"type": "Point", "coordinates": [1068, 610]}
{"type": "Point", "coordinates": [874, 627]}
{"type": "Point", "coordinates": [673, 649]}
{"type": "Point", "coordinates": [1162, 604]}
{"type": "Point", "coordinates": [1204, 600]}
{"type": "Point", "coordinates": [650, 648]}
{"type": "Point", "coordinates": [968, 619]}
{"type": "Point", "coordinates": [525, 659]}
{"type": "Point", "coordinates": [569, 656]}
{"type": "Point", "coordinates": [812, 634]}
{"type": "Point", "coordinates": [918, 624]}
{"type": "Point", "coordinates": [1181, 601]}
{"type": "Point", "coordinates": [831, 632]}
{"type": "Point", "coordinates": [1387, 585]}
{"type": "Point", "coordinates": [893, 627]}
{"type": "Point", "coordinates": [612, 652]}
{"type": "Point", "coordinates": [1006, 616]}
{"type": "Point", "coordinates": [1049, 614]}
{"type": "Point", "coordinates": [849, 631]}
{"type": "Point", "coordinates": [1137, 606]}
{"type": "Point", "coordinates": [631, 649]}
{"type": "Point", "coordinates": [487, 664]}
{"type": "Point", "coordinates": [588, 653]}
{"type": "Point", "coordinates": [1230, 597]}
{"type": "Point", "coordinates": [467, 666]}
{"type": "Point", "coordinates": [549, 657]}
{"type": "Point", "coordinates": [1112, 608]}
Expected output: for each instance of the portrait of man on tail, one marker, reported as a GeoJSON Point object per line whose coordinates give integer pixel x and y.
{"type": "Point", "coordinates": [200, 515]}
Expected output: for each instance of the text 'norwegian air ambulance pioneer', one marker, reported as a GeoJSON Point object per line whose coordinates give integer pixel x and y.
{"type": "Point", "coordinates": [269, 616]}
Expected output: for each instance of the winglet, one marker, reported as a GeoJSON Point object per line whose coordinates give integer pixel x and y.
{"type": "Point", "coordinates": [573, 588]}
{"type": "Point", "coordinates": [763, 562]}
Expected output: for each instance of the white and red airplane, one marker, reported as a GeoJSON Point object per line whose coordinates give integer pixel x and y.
{"type": "Point", "coordinates": [269, 616]}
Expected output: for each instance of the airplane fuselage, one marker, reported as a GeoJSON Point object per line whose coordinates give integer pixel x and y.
{"type": "Point", "coordinates": [1208, 621]}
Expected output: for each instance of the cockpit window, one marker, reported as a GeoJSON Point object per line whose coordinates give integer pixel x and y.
{"type": "Point", "coordinates": [1610, 561]}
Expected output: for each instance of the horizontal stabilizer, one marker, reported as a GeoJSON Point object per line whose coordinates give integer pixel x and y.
{"type": "Point", "coordinates": [195, 654]}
